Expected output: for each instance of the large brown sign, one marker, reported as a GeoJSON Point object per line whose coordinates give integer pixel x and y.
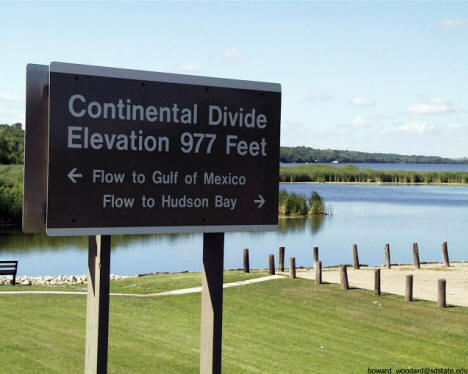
{"type": "Point", "coordinates": [144, 152]}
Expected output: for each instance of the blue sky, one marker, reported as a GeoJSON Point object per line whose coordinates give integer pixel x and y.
{"type": "Point", "coordinates": [368, 76]}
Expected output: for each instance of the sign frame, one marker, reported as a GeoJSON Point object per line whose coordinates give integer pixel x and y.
{"type": "Point", "coordinates": [176, 79]}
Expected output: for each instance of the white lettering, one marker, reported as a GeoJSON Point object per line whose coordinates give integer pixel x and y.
{"type": "Point", "coordinates": [71, 107]}
{"type": "Point", "coordinates": [151, 113]}
{"type": "Point", "coordinates": [72, 136]}
{"type": "Point", "coordinates": [110, 201]}
{"type": "Point", "coordinates": [243, 148]}
{"type": "Point", "coordinates": [125, 109]}
{"type": "Point", "coordinates": [80, 137]}
{"type": "Point", "coordinates": [100, 176]}
{"type": "Point", "coordinates": [94, 109]}
{"type": "Point", "coordinates": [224, 180]}
{"type": "Point", "coordinates": [211, 121]}
{"type": "Point", "coordinates": [225, 202]}
{"type": "Point", "coordinates": [167, 201]}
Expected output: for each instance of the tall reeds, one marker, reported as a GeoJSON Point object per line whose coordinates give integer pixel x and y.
{"type": "Point", "coordinates": [294, 205]}
{"type": "Point", "coordinates": [352, 174]}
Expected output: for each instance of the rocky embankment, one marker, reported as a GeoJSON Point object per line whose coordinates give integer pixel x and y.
{"type": "Point", "coordinates": [60, 280]}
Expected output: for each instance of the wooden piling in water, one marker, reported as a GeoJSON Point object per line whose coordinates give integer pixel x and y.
{"type": "Point", "coordinates": [416, 262]}
{"type": "Point", "coordinates": [445, 254]}
{"type": "Point", "coordinates": [388, 264]}
{"type": "Point", "coordinates": [316, 255]}
{"type": "Point", "coordinates": [292, 267]}
{"type": "Point", "coordinates": [355, 257]}
{"type": "Point", "coordinates": [246, 261]}
{"type": "Point", "coordinates": [409, 288]}
{"type": "Point", "coordinates": [281, 259]}
{"type": "Point", "coordinates": [318, 273]}
{"type": "Point", "coordinates": [377, 282]}
{"type": "Point", "coordinates": [271, 263]}
{"type": "Point", "coordinates": [344, 277]}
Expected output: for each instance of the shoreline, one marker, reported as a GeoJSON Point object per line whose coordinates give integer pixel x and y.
{"type": "Point", "coordinates": [425, 286]}
{"type": "Point", "coordinates": [73, 279]}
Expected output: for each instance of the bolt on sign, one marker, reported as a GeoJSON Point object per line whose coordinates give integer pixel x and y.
{"type": "Point", "coordinates": [134, 152]}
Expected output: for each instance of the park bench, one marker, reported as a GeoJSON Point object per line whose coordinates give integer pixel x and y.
{"type": "Point", "coordinates": [9, 268]}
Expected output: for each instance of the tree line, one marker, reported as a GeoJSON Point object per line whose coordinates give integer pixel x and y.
{"type": "Point", "coordinates": [11, 144]}
{"type": "Point", "coordinates": [313, 155]}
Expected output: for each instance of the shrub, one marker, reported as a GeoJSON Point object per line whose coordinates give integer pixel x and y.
{"type": "Point", "coordinates": [11, 202]}
{"type": "Point", "coordinates": [292, 204]}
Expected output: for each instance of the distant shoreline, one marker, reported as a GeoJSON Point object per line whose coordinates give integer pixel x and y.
{"type": "Point", "coordinates": [315, 155]}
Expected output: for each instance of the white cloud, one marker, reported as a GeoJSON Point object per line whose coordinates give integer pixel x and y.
{"type": "Point", "coordinates": [233, 54]}
{"type": "Point", "coordinates": [457, 126]}
{"type": "Point", "coordinates": [456, 130]}
{"type": "Point", "coordinates": [290, 124]}
{"type": "Point", "coordinates": [190, 68]}
{"type": "Point", "coordinates": [363, 101]}
{"type": "Point", "coordinates": [433, 106]}
{"type": "Point", "coordinates": [453, 23]}
{"type": "Point", "coordinates": [11, 98]}
{"type": "Point", "coordinates": [409, 128]}
{"type": "Point", "coordinates": [381, 116]}
{"type": "Point", "coordinates": [317, 97]}
{"type": "Point", "coordinates": [359, 122]}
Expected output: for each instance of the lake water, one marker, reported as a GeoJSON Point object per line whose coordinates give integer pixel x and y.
{"type": "Point", "coordinates": [381, 166]}
{"type": "Point", "coordinates": [369, 215]}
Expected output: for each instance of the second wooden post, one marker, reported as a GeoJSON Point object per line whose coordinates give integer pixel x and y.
{"type": "Point", "coordinates": [212, 303]}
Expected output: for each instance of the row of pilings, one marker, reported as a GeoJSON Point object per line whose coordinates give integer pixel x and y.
{"type": "Point", "coordinates": [356, 265]}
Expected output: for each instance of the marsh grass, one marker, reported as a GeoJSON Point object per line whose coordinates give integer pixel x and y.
{"type": "Point", "coordinates": [294, 205]}
{"type": "Point", "coordinates": [352, 174]}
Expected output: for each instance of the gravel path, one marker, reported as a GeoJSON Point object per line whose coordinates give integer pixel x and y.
{"type": "Point", "coordinates": [393, 280]}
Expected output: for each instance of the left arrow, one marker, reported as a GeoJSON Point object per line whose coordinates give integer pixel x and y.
{"type": "Point", "coordinates": [73, 174]}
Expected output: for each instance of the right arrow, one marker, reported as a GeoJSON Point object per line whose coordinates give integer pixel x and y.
{"type": "Point", "coordinates": [72, 175]}
{"type": "Point", "coordinates": [260, 201]}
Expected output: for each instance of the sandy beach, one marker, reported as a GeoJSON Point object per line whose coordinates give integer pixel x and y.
{"type": "Point", "coordinates": [393, 280]}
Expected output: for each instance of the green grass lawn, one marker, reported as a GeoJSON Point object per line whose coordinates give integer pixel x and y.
{"type": "Point", "coordinates": [147, 284]}
{"type": "Point", "coordinates": [175, 281]}
{"type": "Point", "coordinates": [280, 326]}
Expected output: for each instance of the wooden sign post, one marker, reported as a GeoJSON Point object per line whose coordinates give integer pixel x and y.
{"type": "Point", "coordinates": [97, 315]}
{"type": "Point", "coordinates": [212, 303]}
